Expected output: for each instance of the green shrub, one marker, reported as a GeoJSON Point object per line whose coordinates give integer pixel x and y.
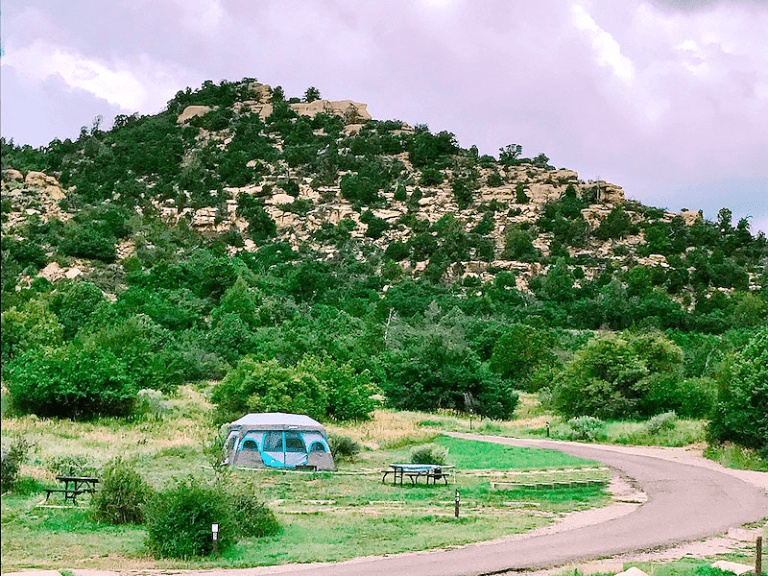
{"type": "Point", "coordinates": [661, 423]}
{"type": "Point", "coordinates": [255, 386]}
{"type": "Point", "coordinates": [252, 517]}
{"type": "Point", "coordinates": [376, 227]}
{"type": "Point", "coordinates": [431, 177]}
{"type": "Point", "coordinates": [70, 382]}
{"type": "Point", "coordinates": [343, 446]}
{"type": "Point", "coordinates": [620, 377]}
{"type": "Point", "coordinates": [11, 462]}
{"type": "Point", "coordinates": [72, 465]}
{"type": "Point", "coordinates": [520, 196]}
{"type": "Point", "coordinates": [122, 495]}
{"type": "Point", "coordinates": [429, 454]}
{"type": "Point", "coordinates": [150, 403]}
{"type": "Point", "coordinates": [494, 180]}
{"type": "Point", "coordinates": [89, 241]}
{"type": "Point", "coordinates": [741, 412]}
{"type": "Point", "coordinates": [179, 518]}
{"type": "Point", "coordinates": [586, 428]}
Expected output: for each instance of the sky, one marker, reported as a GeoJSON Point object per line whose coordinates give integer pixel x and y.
{"type": "Point", "coordinates": [666, 98]}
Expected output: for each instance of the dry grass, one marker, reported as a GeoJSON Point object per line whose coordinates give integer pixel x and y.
{"type": "Point", "coordinates": [387, 429]}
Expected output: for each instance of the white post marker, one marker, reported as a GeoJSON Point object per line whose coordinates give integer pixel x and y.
{"type": "Point", "coordinates": [456, 508]}
{"type": "Point", "coordinates": [215, 534]}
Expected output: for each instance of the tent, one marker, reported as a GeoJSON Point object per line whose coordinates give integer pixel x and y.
{"type": "Point", "coordinates": [278, 440]}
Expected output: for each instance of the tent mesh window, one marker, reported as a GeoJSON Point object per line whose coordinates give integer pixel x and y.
{"type": "Point", "coordinates": [273, 442]}
{"type": "Point", "coordinates": [294, 443]}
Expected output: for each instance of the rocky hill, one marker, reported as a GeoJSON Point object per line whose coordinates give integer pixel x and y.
{"type": "Point", "coordinates": [239, 163]}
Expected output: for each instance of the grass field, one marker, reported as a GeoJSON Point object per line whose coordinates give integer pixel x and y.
{"type": "Point", "coordinates": [324, 516]}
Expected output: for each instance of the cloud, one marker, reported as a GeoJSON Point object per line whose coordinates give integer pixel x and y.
{"type": "Point", "coordinates": [41, 60]}
{"type": "Point", "coordinates": [607, 49]}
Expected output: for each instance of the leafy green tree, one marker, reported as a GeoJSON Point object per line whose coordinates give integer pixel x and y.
{"type": "Point", "coordinates": [241, 300]}
{"type": "Point", "coordinates": [74, 304]}
{"type": "Point", "coordinates": [144, 348]}
{"type": "Point", "coordinates": [616, 377]}
{"type": "Point", "coordinates": [32, 327]}
{"type": "Point", "coordinates": [510, 154]}
{"type": "Point", "coordinates": [427, 149]}
{"type": "Point", "coordinates": [349, 393]}
{"type": "Point", "coordinates": [260, 225]}
{"type": "Point", "coordinates": [70, 382]}
{"type": "Point", "coordinates": [557, 285]}
{"type": "Point", "coordinates": [518, 245]}
{"type": "Point", "coordinates": [311, 94]}
{"type": "Point", "coordinates": [741, 410]}
{"type": "Point", "coordinates": [255, 386]}
{"type": "Point", "coordinates": [432, 367]}
{"type": "Point", "coordinates": [521, 350]}
{"type": "Point", "coordinates": [617, 224]}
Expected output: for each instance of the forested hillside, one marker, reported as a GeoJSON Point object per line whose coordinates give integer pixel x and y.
{"type": "Point", "coordinates": [316, 259]}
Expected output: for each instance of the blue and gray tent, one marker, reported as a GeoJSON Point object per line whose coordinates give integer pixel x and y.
{"type": "Point", "coordinates": [278, 440]}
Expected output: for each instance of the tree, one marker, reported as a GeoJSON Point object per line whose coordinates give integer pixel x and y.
{"type": "Point", "coordinates": [741, 409]}
{"type": "Point", "coordinates": [33, 327]}
{"type": "Point", "coordinates": [509, 154]}
{"type": "Point", "coordinates": [255, 386]}
{"type": "Point", "coordinates": [627, 376]}
{"type": "Point", "coordinates": [520, 350]}
{"type": "Point", "coordinates": [278, 94]}
{"type": "Point", "coordinates": [311, 94]}
{"type": "Point", "coordinates": [70, 382]}
{"type": "Point", "coordinates": [75, 304]}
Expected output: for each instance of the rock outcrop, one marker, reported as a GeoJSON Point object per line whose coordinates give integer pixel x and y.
{"type": "Point", "coordinates": [192, 111]}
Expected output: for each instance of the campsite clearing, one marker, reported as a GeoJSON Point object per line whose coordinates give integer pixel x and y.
{"type": "Point", "coordinates": [324, 515]}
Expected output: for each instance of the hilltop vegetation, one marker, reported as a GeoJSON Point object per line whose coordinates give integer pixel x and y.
{"type": "Point", "coordinates": [240, 233]}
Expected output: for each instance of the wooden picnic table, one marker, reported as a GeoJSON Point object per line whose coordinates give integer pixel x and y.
{"type": "Point", "coordinates": [73, 487]}
{"type": "Point", "coordinates": [430, 472]}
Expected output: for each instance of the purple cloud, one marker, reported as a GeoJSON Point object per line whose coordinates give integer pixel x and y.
{"type": "Point", "coordinates": [667, 98]}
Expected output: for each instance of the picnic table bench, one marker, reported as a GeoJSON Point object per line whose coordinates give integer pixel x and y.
{"type": "Point", "coordinates": [430, 472]}
{"type": "Point", "coordinates": [73, 487]}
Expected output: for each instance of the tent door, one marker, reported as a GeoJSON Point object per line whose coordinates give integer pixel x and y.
{"type": "Point", "coordinates": [273, 452]}
{"type": "Point", "coordinates": [295, 449]}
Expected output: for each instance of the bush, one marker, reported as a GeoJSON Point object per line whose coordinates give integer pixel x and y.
{"type": "Point", "coordinates": [521, 350]}
{"type": "Point", "coordinates": [11, 462]}
{"type": "Point", "coordinates": [255, 386]}
{"type": "Point", "coordinates": [429, 454]}
{"type": "Point", "coordinates": [343, 446]}
{"type": "Point", "coordinates": [179, 520]}
{"type": "Point", "coordinates": [150, 403]}
{"type": "Point", "coordinates": [122, 495]}
{"type": "Point", "coordinates": [586, 428]}
{"type": "Point", "coordinates": [72, 465]}
{"type": "Point", "coordinates": [251, 516]}
{"type": "Point", "coordinates": [70, 382]}
{"type": "Point", "coordinates": [88, 241]}
{"type": "Point", "coordinates": [621, 377]}
{"type": "Point", "coordinates": [741, 412]}
{"type": "Point", "coordinates": [661, 423]}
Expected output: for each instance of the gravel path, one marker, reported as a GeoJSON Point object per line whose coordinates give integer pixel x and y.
{"type": "Point", "coordinates": [673, 496]}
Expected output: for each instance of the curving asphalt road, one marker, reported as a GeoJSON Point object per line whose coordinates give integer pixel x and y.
{"type": "Point", "coordinates": [686, 501]}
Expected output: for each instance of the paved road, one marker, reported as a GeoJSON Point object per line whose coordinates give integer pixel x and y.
{"type": "Point", "coordinates": [685, 502]}
{"type": "Point", "coordinates": [688, 499]}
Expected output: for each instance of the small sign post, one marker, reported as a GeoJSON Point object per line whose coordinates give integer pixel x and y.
{"type": "Point", "coordinates": [759, 556]}
{"type": "Point", "coordinates": [215, 535]}
{"type": "Point", "coordinates": [456, 508]}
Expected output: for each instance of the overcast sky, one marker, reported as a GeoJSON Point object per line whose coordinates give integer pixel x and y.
{"type": "Point", "coordinates": [668, 99]}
